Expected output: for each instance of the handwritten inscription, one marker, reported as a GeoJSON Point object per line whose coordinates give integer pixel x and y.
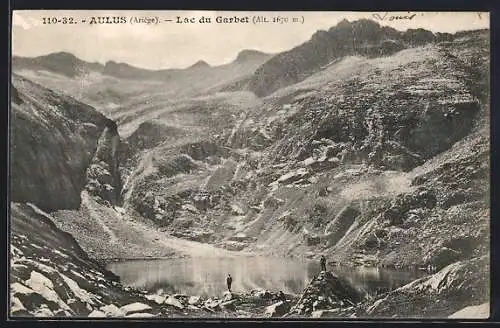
{"type": "Point", "coordinates": [389, 18]}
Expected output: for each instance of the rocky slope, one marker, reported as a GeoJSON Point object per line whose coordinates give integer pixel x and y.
{"type": "Point", "coordinates": [373, 153]}
{"type": "Point", "coordinates": [334, 162]}
{"type": "Point", "coordinates": [373, 161]}
{"type": "Point", "coordinates": [362, 37]}
{"type": "Point", "coordinates": [52, 277]}
{"type": "Point", "coordinates": [440, 295]}
{"type": "Point", "coordinates": [59, 146]}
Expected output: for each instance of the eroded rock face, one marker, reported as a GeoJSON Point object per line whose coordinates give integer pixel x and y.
{"type": "Point", "coordinates": [53, 141]}
{"type": "Point", "coordinates": [103, 174]}
{"type": "Point", "coordinates": [396, 130]}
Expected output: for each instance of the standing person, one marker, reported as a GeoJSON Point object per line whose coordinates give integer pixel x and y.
{"type": "Point", "coordinates": [229, 281]}
{"type": "Point", "coordinates": [322, 261]}
{"type": "Point", "coordinates": [281, 296]}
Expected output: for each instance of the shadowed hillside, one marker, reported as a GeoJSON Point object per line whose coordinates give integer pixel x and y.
{"type": "Point", "coordinates": [362, 37]}
{"type": "Point", "coordinates": [53, 141]}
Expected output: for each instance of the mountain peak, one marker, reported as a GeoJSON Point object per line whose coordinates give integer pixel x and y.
{"type": "Point", "coordinates": [61, 54]}
{"type": "Point", "coordinates": [249, 54]}
{"type": "Point", "coordinates": [200, 64]}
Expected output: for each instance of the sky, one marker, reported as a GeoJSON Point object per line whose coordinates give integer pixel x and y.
{"type": "Point", "coordinates": [173, 45]}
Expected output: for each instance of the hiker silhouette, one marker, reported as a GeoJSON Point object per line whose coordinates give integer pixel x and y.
{"type": "Point", "coordinates": [281, 296]}
{"type": "Point", "coordinates": [229, 281]}
{"type": "Point", "coordinates": [322, 261]}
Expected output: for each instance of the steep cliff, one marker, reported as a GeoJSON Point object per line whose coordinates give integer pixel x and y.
{"type": "Point", "coordinates": [53, 140]}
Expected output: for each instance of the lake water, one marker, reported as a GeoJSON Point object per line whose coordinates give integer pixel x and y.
{"type": "Point", "coordinates": [207, 276]}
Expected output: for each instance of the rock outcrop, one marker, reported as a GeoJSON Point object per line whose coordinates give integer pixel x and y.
{"type": "Point", "coordinates": [326, 291]}
{"type": "Point", "coordinates": [103, 174]}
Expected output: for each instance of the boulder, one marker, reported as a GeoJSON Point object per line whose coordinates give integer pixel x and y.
{"type": "Point", "coordinates": [194, 300]}
{"type": "Point", "coordinates": [140, 315]}
{"type": "Point", "coordinates": [234, 245]}
{"type": "Point", "coordinates": [294, 176]}
{"type": "Point", "coordinates": [454, 198]}
{"type": "Point", "coordinates": [277, 309]}
{"type": "Point", "coordinates": [311, 240]}
{"type": "Point", "coordinates": [158, 299]}
{"type": "Point", "coordinates": [272, 202]}
{"type": "Point", "coordinates": [229, 305]}
{"type": "Point", "coordinates": [97, 314]}
{"type": "Point", "coordinates": [212, 304]}
{"type": "Point", "coordinates": [240, 236]}
{"type": "Point", "coordinates": [135, 308]}
{"type": "Point", "coordinates": [262, 293]}
{"type": "Point", "coordinates": [441, 257]}
{"type": "Point", "coordinates": [325, 313]}
{"type": "Point", "coordinates": [112, 310]}
{"type": "Point", "coordinates": [237, 210]}
{"type": "Point", "coordinates": [174, 302]}
{"type": "Point", "coordinates": [227, 296]}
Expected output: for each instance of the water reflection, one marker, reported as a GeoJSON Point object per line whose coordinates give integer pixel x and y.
{"type": "Point", "coordinates": [206, 276]}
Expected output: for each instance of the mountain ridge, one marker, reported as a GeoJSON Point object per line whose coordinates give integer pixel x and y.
{"type": "Point", "coordinates": [68, 64]}
{"type": "Point", "coordinates": [360, 37]}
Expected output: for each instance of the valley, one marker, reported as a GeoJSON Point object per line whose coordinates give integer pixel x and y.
{"type": "Point", "coordinates": [374, 154]}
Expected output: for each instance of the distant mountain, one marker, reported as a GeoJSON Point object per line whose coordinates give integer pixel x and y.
{"type": "Point", "coordinates": [246, 55]}
{"type": "Point", "coordinates": [63, 63]}
{"type": "Point", "coordinates": [67, 64]}
{"type": "Point", "coordinates": [199, 64]}
{"type": "Point", "coordinates": [365, 37]}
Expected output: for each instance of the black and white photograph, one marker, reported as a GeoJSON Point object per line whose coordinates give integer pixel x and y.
{"type": "Point", "coordinates": [278, 165]}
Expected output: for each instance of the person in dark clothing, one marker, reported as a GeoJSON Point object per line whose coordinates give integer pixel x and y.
{"type": "Point", "coordinates": [281, 296]}
{"type": "Point", "coordinates": [322, 261]}
{"type": "Point", "coordinates": [229, 281]}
